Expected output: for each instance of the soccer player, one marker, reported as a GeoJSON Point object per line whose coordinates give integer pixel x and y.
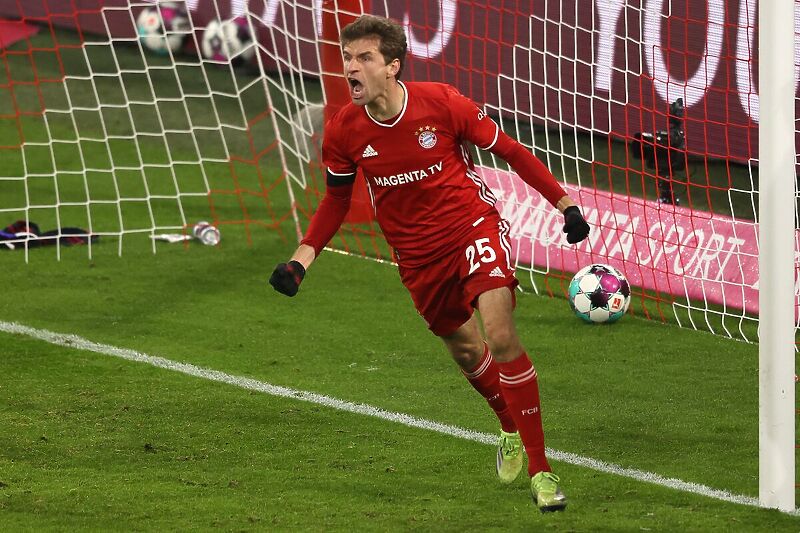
{"type": "Point", "coordinates": [451, 245]}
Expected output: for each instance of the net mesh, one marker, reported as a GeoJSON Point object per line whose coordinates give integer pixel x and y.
{"type": "Point", "coordinates": [648, 115]}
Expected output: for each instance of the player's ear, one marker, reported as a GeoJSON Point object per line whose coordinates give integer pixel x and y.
{"type": "Point", "coordinates": [394, 67]}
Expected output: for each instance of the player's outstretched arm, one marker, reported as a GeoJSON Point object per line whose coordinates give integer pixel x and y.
{"type": "Point", "coordinates": [286, 277]}
{"type": "Point", "coordinates": [475, 126]}
{"type": "Point", "coordinates": [536, 174]}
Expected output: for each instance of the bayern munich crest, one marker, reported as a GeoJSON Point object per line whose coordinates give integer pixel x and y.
{"type": "Point", "coordinates": [426, 135]}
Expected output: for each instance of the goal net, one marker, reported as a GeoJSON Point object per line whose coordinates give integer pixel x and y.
{"type": "Point", "coordinates": [649, 117]}
{"type": "Point", "coordinates": [124, 128]}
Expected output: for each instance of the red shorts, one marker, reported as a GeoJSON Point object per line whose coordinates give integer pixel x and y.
{"type": "Point", "coordinates": [445, 292]}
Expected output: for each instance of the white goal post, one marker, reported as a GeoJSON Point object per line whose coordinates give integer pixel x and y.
{"type": "Point", "coordinates": [776, 200]}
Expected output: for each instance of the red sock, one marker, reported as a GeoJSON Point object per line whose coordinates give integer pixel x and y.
{"type": "Point", "coordinates": [485, 377]}
{"type": "Point", "coordinates": [521, 391]}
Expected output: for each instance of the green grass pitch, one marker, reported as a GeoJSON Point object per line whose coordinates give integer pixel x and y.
{"type": "Point", "coordinates": [93, 442]}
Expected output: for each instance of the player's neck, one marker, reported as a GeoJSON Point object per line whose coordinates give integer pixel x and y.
{"type": "Point", "coordinates": [389, 104]}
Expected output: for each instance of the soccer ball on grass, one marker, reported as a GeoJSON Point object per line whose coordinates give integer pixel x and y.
{"type": "Point", "coordinates": [228, 40]}
{"type": "Point", "coordinates": [599, 293]}
{"type": "Point", "coordinates": [163, 28]}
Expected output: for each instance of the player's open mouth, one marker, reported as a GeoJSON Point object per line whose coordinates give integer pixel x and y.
{"type": "Point", "coordinates": [356, 89]}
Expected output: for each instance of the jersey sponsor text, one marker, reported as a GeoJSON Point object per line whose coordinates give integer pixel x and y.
{"type": "Point", "coordinates": [408, 177]}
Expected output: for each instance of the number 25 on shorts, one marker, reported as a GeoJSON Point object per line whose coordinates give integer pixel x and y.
{"type": "Point", "coordinates": [480, 252]}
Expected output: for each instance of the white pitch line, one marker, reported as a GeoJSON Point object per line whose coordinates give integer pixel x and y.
{"type": "Point", "coordinates": [74, 341]}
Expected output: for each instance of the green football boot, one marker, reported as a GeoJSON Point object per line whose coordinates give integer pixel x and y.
{"type": "Point", "coordinates": [509, 457]}
{"type": "Point", "coordinates": [546, 493]}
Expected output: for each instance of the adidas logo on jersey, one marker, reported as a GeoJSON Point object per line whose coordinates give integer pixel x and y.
{"type": "Point", "coordinates": [496, 273]}
{"type": "Point", "coordinates": [369, 151]}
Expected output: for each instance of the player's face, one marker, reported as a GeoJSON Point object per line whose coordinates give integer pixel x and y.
{"type": "Point", "coordinates": [366, 70]}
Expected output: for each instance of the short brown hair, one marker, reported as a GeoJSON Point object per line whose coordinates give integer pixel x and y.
{"type": "Point", "coordinates": [393, 39]}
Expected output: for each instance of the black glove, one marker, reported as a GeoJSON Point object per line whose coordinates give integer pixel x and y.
{"type": "Point", "coordinates": [286, 277]}
{"type": "Point", "coordinates": [575, 226]}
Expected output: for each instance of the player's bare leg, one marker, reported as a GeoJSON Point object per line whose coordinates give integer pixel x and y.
{"type": "Point", "coordinates": [520, 387]}
{"type": "Point", "coordinates": [472, 354]}
{"type": "Point", "coordinates": [466, 344]}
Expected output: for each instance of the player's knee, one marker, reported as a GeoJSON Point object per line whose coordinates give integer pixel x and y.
{"type": "Point", "coordinates": [505, 345]}
{"type": "Point", "coordinates": [467, 356]}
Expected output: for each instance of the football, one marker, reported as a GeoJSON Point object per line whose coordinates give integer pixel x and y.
{"type": "Point", "coordinates": [163, 28]}
{"type": "Point", "coordinates": [599, 293]}
{"type": "Point", "coordinates": [228, 41]}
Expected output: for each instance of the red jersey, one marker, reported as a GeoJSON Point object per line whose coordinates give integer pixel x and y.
{"type": "Point", "coordinates": [419, 172]}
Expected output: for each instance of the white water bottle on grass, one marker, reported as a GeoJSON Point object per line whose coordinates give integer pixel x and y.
{"type": "Point", "coordinates": [206, 233]}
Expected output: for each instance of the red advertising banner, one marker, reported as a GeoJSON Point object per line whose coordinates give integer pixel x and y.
{"type": "Point", "coordinates": [610, 67]}
{"type": "Point", "coordinates": [662, 247]}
